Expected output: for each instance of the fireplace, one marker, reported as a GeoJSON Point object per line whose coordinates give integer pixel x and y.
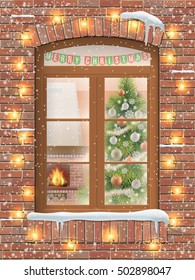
{"type": "Point", "coordinates": [58, 176]}
{"type": "Point", "coordinates": [64, 182]}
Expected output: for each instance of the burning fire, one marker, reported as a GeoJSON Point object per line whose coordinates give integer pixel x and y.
{"type": "Point", "coordinates": [57, 178]}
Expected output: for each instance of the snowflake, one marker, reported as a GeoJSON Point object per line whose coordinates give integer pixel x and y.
{"type": "Point", "coordinates": [125, 144]}
{"type": "Point", "coordinates": [136, 154]}
{"type": "Point", "coordinates": [124, 170]}
{"type": "Point", "coordinates": [131, 101]}
{"type": "Point", "coordinates": [140, 126]}
{"type": "Point", "coordinates": [129, 114]}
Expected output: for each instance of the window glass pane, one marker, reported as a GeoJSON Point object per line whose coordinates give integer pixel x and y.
{"type": "Point", "coordinates": [68, 98]}
{"type": "Point", "coordinates": [67, 184]}
{"type": "Point", "coordinates": [126, 141]}
{"type": "Point", "coordinates": [67, 141]}
{"type": "Point", "coordinates": [125, 184]}
{"type": "Point", "coordinates": [126, 98]}
{"type": "Point", "coordinates": [97, 55]}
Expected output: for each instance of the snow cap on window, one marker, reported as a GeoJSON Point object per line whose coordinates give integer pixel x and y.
{"type": "Point", "coordinates": [148, 19]}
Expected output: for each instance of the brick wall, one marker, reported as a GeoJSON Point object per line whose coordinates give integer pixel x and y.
{"type": "Point", "coordinates": [177, 196]}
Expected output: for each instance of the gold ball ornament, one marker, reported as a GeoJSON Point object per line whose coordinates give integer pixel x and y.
{"type": "Point", "coordinates": [122, 122]}
{"type": "Point", "coordinates": [116, 181]}
{"type": "Point", "coordinates": [121, 92]}
{"type": "Point", "coordinates": [143, 146]}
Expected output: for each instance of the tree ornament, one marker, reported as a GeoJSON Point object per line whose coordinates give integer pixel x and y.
{"type": "Point", "coordinates": [112, 112]}
{"type": "Point", "coordinates": [143, 146]}
{"type": "Point", "coordinates": [136, 155]}
{"type": "Point", "coordinates": [128, 159]}
{"type": "Point", "coordinates": [131, 101]}
{"type": "Point", "coordinates": [136, 184]}
{"type": "Point", "coordinates": [125, 144]}
{"type": "Point", "coordinates": [135, 137]}
{"type": "Point", "coordinates": [122, 121]}
{"type": "Point", "coordinates": [125, 106]}
{"type": "Point", "coordinates": [141, 126]}
{"type": "Point", "coordinates": [116, 154]}
{"type": "Point", "coordinates": [116, 181]}
{"type": "Point", "coordinates": [121, 92]}
{"type": "Point", "coordinates": [113, 140]}
{"type": "Point", "coordinates": [138, 114]}
{"type": "Point", "coordinates": [124, 170]}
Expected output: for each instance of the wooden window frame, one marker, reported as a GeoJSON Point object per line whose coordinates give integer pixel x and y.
{"type": "Point", "coordinates": [96, 73]}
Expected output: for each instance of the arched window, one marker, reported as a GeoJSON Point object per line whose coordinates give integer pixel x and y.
{"type": "Point", "coordinates": [96, 125]}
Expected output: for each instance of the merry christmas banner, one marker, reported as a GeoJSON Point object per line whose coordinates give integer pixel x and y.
{"type": "Point", "coordinates": [70, 59]}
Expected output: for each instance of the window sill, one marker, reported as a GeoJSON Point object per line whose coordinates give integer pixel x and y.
{"type": "Point", "coordinates": [153, 215]}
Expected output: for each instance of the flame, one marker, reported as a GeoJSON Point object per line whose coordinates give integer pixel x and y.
{"type": "Point", "coordinates": [56, 177]}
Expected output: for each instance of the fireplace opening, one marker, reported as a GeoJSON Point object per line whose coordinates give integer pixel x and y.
{"type": "Point", "coordinates": [58, 176]}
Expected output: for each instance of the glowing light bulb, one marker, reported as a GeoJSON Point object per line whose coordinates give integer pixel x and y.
{"type": "Point", "coordinates": [19, 214]}
{"type": "Point", "coordinates": [153, 246]}
{"type": "Point", "coordinates": [20, 65]}
{"type": "Point", "coordinates": [110, 236]}
{"type": "Point", "coordinates": [171, 34]}
{"type": "Point", "coordinates": [134, 24]}
{"type": "Point", "coordinates": [27, 192]}
{"type": "Point", "coordinates": [175, 140]}
{"type": "Point", "coordinates": [14, 115]}
{"type": "Point", "coordinates": [170, 162]}
{"type": "Point", "coordinates": [34, 235]}
{"type": "Point", "coordinates": [170, 57]}
{"type": "Point", "coordinates": [84, 23]}
{"type": "Point", "coordinates": [181, 86]}
{"type": "Point", "coordinates": [115, 16]}
{"type": "Point", "coordinates": [23, 138]}
{"type": "Point", "coordinates": [173, 222]}
{"type": "Point", "coordinates": [25, 36]}
{"type": "Point", "coordinates": [56, 19]}
{"type": "Point", "coordinates": [169, 116]}
{"type": "Point", "coordinates": [71, 245]}
{"type": "Point", "coordinates": [177, 191]}
{"type": "Point", "coordinates": [22, 91]}
{"type": "Point", "coordinates": [18, 160]}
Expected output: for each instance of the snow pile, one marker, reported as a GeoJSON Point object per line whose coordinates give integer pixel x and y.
{"type": "Point", "coordinates": [148, 19]}
{"type": "Point", "coordinates": [153, 215]}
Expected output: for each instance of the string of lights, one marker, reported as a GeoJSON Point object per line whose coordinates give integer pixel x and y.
{"type": "Point", "coordinates": [22, 133]}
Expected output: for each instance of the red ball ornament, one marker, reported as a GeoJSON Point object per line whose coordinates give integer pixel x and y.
{"type": "Point", "coordinates": [128, 159]}
{"type": "Point", "coordinates": [122, 121]}
{"type": "Point", "coordinates": [116, 181]}
{"type": "Point", "coordinates": [121, 92]}
{"type": "Point", "coordinates": [143, 146]}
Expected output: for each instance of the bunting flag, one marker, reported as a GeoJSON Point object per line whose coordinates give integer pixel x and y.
{"type": "Point", "coordinates": [95, 60]}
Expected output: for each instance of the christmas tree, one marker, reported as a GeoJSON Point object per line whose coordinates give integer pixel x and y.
{"type": "Point", "coordinates": [126, 142]}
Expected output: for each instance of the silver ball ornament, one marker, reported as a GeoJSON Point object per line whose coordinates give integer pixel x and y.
{"type": "Point", "coordinates": [116, 154]}
{"type": "Point", "coordinates": [125, 106]}
{"type": "Point", "coordinates": [136, 184]}
{"type": "Point", "coordinates": [112, 112]}
{"type": "Point", "coordinates": [138, 114]}
{"type": "Point", "coordinates": [113, 140]}
{"type": "Point", "coordinates": [135, 137]}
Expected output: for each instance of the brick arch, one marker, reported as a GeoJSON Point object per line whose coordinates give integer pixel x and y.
{"type": "Point", "coordinates": [96, 27]}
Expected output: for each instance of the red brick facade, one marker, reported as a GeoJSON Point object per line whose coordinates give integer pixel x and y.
{"type": "Point", "coordinates": [176, 196]}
